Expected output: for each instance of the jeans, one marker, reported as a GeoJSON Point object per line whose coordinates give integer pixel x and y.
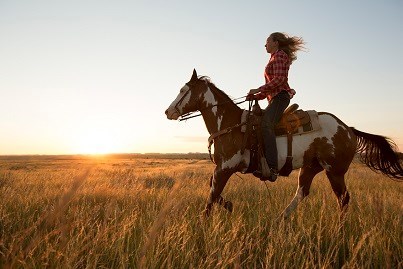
{"type": "Point", "coordinates": [271, 116]}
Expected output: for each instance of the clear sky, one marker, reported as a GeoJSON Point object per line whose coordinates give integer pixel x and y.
{"type": "Point", "coordinates": [96, 76]}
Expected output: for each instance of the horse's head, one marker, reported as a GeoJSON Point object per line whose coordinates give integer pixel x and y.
{"type": "Point", "coordinates": [188, 99]}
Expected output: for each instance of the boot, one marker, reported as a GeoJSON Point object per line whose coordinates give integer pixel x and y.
{"type": "Point", "coordinates": [266, 173]}
{"type": "Point", "coordinates": [272, 176]}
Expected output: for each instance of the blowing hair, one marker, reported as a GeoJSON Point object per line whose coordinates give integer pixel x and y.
{"type": "Point", "coordinates": [289, 44]}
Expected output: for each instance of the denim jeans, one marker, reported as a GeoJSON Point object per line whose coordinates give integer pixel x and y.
{"type": "Point", "coordinates": [271, 116]}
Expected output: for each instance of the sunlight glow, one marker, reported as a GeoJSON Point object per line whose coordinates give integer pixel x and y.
{"type": "Point", "coordinates": [96, 142]}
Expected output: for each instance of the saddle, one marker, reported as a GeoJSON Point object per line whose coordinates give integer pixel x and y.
{"type": "Point", "coordinates": [292, 122]}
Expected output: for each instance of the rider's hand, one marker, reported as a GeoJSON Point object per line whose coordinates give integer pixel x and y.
{"type": "Point", "coordinates": [251, 95]}
{"type": "Point", "coordinates": [253, 91]}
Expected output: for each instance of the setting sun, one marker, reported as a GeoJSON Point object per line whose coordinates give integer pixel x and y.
{"type": "Point", "coordinates": [96, 142]}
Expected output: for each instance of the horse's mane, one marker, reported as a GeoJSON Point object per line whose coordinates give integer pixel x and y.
{"type": "Point", "coordinates": [214, 87]}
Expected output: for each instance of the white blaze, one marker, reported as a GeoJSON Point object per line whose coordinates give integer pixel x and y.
{"type": "Point", "coordinates": [171, 111]}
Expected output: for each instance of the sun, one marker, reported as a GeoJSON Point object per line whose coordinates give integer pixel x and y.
{"type": "Point", "coordinates": [96, 142]}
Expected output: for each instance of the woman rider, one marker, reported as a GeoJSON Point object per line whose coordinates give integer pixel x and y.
{"type": "Point", "coordinates": [283, 50]}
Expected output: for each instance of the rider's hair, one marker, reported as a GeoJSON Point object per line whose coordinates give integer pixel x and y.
{"type": "Point", "coordinates": [289, 44]}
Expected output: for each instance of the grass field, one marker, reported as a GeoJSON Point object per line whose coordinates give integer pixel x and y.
{"type": "Point", "coordinates": [140, 211]}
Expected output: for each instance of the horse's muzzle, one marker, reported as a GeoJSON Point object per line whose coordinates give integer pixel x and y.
{"type": "Point", "coordinates": [172, 113]}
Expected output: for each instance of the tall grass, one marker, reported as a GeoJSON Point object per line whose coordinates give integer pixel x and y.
{"type": "Point", "coordinates": [146, 213]}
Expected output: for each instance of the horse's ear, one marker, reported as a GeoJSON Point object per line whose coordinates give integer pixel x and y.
{"type": "Point", "coordinates": [194, 75]}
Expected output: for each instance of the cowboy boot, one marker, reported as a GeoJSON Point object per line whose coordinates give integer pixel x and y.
{"type": "Point", "coordinates": [266, 173]}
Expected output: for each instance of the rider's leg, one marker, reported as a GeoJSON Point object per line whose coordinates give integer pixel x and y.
{"type": "Point", "coordinates": [271, 117]}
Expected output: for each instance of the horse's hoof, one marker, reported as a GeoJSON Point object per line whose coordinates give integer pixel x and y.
{"type": "Point", "coordinates": [206, 212]}
{"type": "Point", "coordinates": [228, 206]}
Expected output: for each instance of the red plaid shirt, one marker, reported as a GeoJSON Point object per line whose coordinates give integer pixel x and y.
{"type": "Point", "coordinates": [276, 76]}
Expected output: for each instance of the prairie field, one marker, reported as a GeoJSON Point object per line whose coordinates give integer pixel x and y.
{"type": "Point", "coordinates": [145, 211]}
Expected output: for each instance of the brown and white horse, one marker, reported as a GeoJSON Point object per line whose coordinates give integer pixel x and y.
{"type": "Point", "coordinates": [332, 148]}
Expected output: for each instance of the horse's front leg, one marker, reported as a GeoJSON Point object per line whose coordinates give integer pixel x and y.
{"type": "Point", "coordinates": [217, 183]}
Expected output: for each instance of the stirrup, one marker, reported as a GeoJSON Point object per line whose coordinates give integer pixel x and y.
{"type": "Point", "coordinates": [266, 172]}
{"type": "Point", "coordinates": [271, 176]}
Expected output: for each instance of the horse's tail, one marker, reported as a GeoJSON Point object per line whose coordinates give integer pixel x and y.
{"type": "Point", "coordinates": [379, 154]}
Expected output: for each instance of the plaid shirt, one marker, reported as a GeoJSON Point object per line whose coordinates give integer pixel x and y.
{"type": "Point", "coordinates": [276, 76]}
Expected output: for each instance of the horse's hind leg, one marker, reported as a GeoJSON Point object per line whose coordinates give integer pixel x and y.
{"type": "Point", "coordinates": [339, 188]}
{"type": "Point", "coordinates": [306, 175]}
{"type": "Point", "coordinates": [217, 184]}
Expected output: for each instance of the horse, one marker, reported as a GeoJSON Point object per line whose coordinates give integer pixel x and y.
{"type": "Point", "coordinates": [331, 148]}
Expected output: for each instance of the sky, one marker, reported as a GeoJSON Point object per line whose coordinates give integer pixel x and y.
{"type": "Point", "coordinates": [96, 76]}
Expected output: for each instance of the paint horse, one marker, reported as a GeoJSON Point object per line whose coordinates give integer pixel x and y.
{"type": "Point", "coordinates": [332, 148]}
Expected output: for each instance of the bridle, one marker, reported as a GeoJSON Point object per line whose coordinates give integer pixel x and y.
{"type": "Point", "coordinates": [189, 115]}
{"type": "Point", "coordinates": [219, 133]}
{"type": "Point", "coordinates": [181, 100]}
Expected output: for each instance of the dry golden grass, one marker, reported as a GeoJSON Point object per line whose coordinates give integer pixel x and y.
{"type": "Point", "coordinates": [138, 212]}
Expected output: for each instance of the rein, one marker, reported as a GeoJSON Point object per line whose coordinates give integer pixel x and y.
{"type": "Point", "coordinates": [189, 115]}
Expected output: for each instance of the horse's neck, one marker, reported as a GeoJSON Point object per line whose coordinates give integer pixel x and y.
{"type": "Point", "coordinates": [224, 115]}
